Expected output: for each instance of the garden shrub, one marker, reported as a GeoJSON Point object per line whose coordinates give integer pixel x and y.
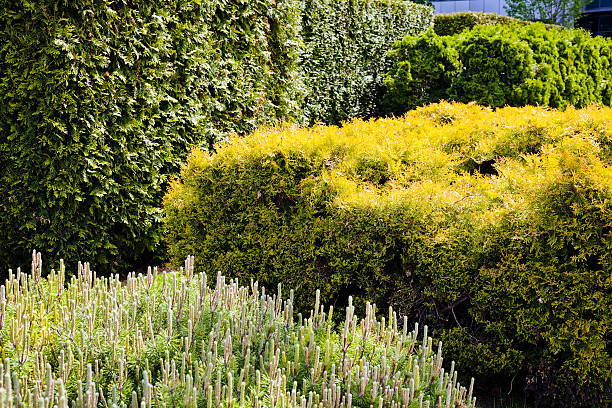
{"type": "Point", "coordinates": [425, 67]}
{"type": "Point", "coordinates": [170, 339]}
{"type": "Point", "coordinates": [344, 60]}
{"type": "Point", "coordinates": [493, 228]}
{"type": "Point", "coordinates": [500, 65]}
{"type": "Point", "coordinates": [455, 23]}
{"type": "Point", "coordinates": [101, 101]}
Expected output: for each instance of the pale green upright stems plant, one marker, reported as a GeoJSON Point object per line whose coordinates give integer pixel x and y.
{"type": "Point", "coordinates": [169, 339]}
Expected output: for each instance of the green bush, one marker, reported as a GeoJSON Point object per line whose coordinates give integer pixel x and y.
{"type": "Point", "coordinates": [423, 72]}
{"type": "Point", "coordinates": [501, 65]}
{"type": "Point", "coordinates": [170, 339]}
{"type": "Point", "coordinates": [101, 101]}
{"type": "Point", "coordinates": [494, 228]}
{"type": "Point", "coordinates": [455, 23]}
{"type": "Point", "coordinates": [345, 53]}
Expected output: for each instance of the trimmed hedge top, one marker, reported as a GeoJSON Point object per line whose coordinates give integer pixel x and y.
{"type": "Point", "coordinates": [495, 228]}
{"type": "Point", "coordinates": [455, 23]}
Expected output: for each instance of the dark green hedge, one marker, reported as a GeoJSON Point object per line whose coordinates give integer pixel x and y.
{"type": "Point", "coordinates": [495, 229]}
{"type": "Point", "coordinates": [101, 100]}
{"type": "Point", "coordinates": [455, 23]}
{"type": "Point", "coordinates": [345, 53]}
{"type": "Point", "coordinates": [500, 65]}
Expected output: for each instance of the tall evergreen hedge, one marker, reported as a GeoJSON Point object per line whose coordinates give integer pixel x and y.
{"type": "Point", "coordinates": [100, 100]}
{"type": "Point", "coordinates": [498, 65]}
{"type": "Point", "coordinates": [344, 60]}
{"type": "Point", "coordinates": [455, 23]}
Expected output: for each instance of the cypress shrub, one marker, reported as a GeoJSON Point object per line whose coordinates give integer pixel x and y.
{"type": "Point", "coordinates": [493, 228]}
{"type": "Point", "coordinates": [102, 99]}
{"type": "Point", "coordinates": [455, 23]}
{"type": "Point", "coordinates": [344, 60]}
{"type": "Point", "coordinates": [425, 68]}
{"type": "Point", "coordinates": [501, 65]}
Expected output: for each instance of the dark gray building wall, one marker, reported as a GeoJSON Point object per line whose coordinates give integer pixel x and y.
{"type": "Point", "coordinates": [598, 18]}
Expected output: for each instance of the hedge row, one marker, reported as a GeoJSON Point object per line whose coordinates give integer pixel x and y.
{"type": "Point", "coordinates": [345, 53]}
{"type": "Point", "coordinates": [500, 65]}
{"type": "Point", "coordinates": [455, 23]}
{"type": "Point", "coordinates": [101, 100]}
{"type": "Point", "coordinates": [494, 228]}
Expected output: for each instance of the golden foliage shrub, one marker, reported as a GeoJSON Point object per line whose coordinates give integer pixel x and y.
{"type": "Point", "coordinates": [493, 227]}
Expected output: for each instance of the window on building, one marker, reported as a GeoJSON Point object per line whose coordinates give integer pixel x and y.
{"type": "Point", "coordinates": [605, 23]}
{"type": "Point", "coordinates": [593, 5]}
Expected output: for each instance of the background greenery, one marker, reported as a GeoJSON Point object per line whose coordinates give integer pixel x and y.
{"type": "Point", "coordinates": [344, 60]}
{"type": "Point", "coordinates": [564, 12]}
{"type": "Point", "coordinates": [501, 64]}
{"type": "Point", "coordinates": [494, 228]}
{"type": "Point", "coordinates": [455, 23]}
{"type": "Point", "coordinates": [102, 99]}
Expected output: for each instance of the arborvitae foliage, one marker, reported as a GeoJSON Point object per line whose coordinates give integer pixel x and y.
{"type": "Point", "coordinates": [101, 100]}
{"type": "Point", "coordinates": [423, 72]}
{"type": "Point", "coordinates": [170, 339]}
{"type": "Point", "coordinates": [345, 53]}
{"type": "Point", "coordinates": [501, 65]}
{"type": "Point", "coordinates": [455, 23]}
{"type": "Point", "coordinates": [492, 227]}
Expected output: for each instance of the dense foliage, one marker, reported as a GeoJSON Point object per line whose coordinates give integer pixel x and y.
{"type": "Point", "coordinates": [345, 53]}
{"type": "Point", "coordinates": [455, 23]}
{"type": "Point", "coordinates": [424, 69]}
{"type": "Point", "coordinates": [100, 102]}
{"type": "Point", "coordinates": [500, 65]}
{"type": "Point", "coordinates": [495, 228]}
{"type": "Point", "coordinates": [167, 340]}
{"type": "Point", "coordinates": [102, 99]}
{"type": "Point", "coordinates": [563, 12]}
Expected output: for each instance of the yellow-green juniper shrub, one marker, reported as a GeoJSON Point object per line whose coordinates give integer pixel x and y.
{"type": "Point", "coordinates": [491, 226]}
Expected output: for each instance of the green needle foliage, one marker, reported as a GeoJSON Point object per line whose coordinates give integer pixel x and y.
{"type": "Point", "coordinates": [169, 339]}
{"type": "Point", "coordinates": [501, 65]}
